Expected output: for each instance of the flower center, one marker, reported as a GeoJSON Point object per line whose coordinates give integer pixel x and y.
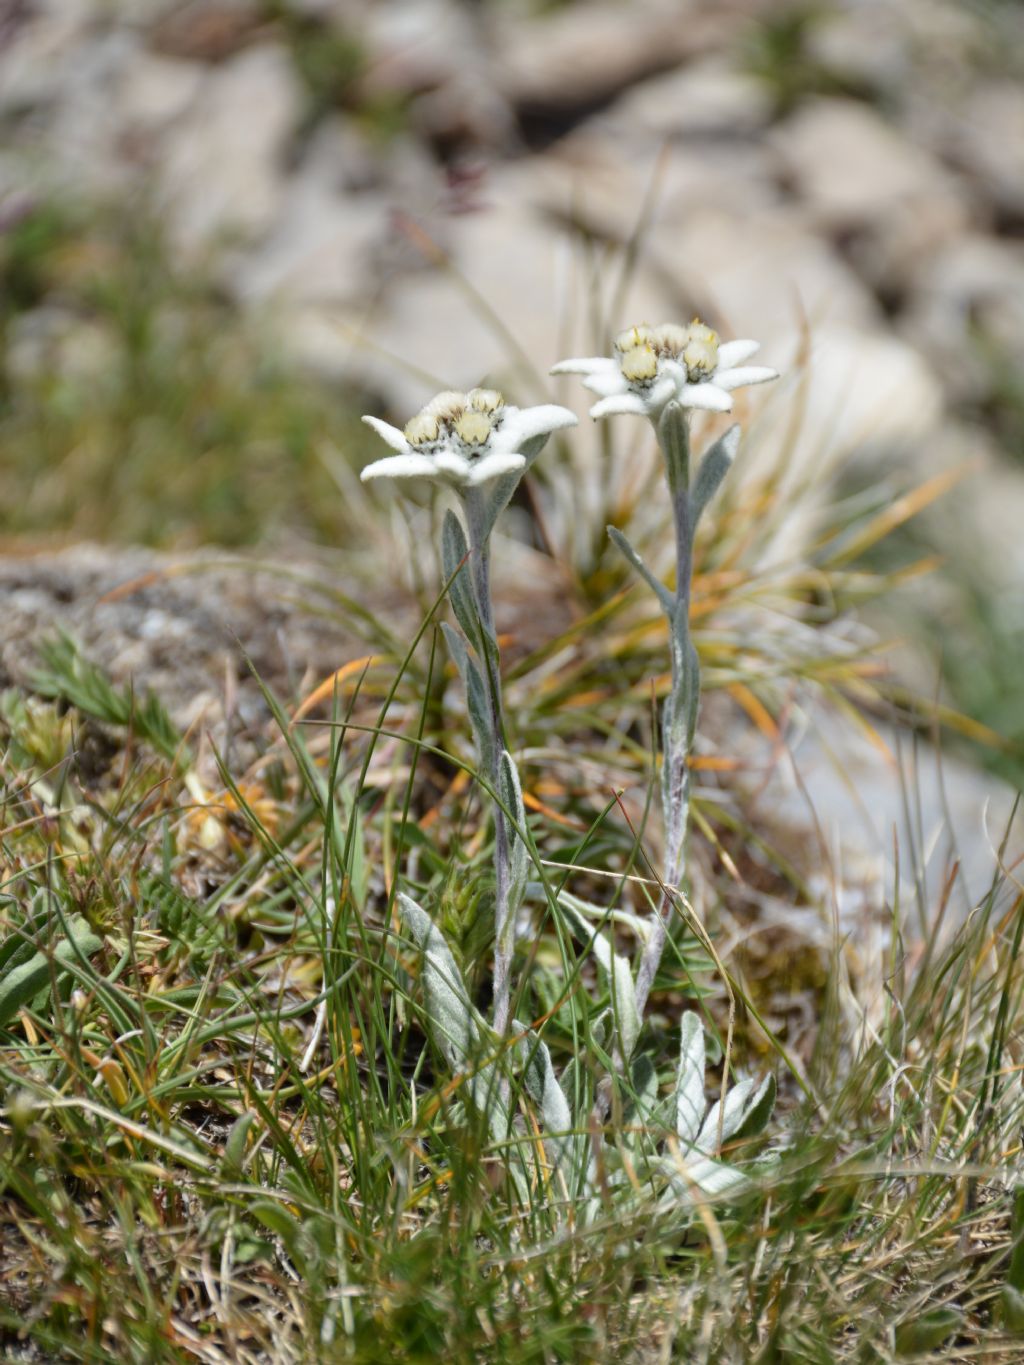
{"type": "Point", "coordinates": [422, 430]}
{"type": "Point", "coordinates": [642, 348]}
{"type": "Point", "coordinates": [474, 431]}
{"type": "Point", "coordinates": [470, 417]}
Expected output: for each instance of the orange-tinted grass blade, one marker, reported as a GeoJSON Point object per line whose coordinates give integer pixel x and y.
{"type": "Point", "coordinates": [904, 507]}
{"type": "Point", "coordinates": [755, 709]}
{"type": "Point", "coordinates": [326, 689]}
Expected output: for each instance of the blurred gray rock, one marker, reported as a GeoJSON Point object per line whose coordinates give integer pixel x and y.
{"type": "Point", "coordinates": [866, 184]}
{"type": "Point", "coordinates": [589, 52]}
{"type": "Point", "coordinates": [709, 97]}
{"type": "Point", "coordinates": [967, 312]}
{"type": "Point", "coordinates": [988, 141]}
{"type": "Point", "coordinates": [223, 169]}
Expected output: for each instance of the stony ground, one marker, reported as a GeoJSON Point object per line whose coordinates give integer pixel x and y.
{"type": "Point", "coordinates": [418, 194]}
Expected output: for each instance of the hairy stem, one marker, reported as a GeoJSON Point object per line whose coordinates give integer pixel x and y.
{"type": "Point", "coordinates": [480, 572]}
{"type": "Point", "coordinates": [679, 717]}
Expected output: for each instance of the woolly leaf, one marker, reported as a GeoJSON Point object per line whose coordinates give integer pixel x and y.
{"type": "Point", "coordinates": [692, 1178]}
{"type": "Point", "coordinates": [914, 1336]}
{"type": "Point", "coordinates": [713, 469]}
{"type": "Point", "coordinates": [455, 566]}
{"type": "Point", "coordinates": [662, 593]}
{"type": "Point", "coordinates": [690, 1100]}
{"type": "Point", "coordinates": [457, 1027]}
{"type": "Point", "coordinates": [620, 979]}
{"type": "Point", "coordinates": [736, 1100]}
{"type": "Point", "coordinates": [511, 793]}
{"type": "Point", "coordinates": [543, 1088]}
{"type": "Point", "coordinates": [19, 984]}
{"type": "Point", "coordinates": [476, 696]}
{"type": "Point", "coordinates": [759, 1110]}
{"type": "Point", "coordinates": [674, 439]}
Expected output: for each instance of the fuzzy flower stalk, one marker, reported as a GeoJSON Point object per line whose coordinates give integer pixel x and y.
{"type": "Point", "coordinates": [663, 373]}
{"type": "Point", "coordinates": [481, 446]}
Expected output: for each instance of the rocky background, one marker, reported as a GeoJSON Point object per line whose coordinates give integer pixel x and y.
{"type": "Point", "coordinates": [396, 197]}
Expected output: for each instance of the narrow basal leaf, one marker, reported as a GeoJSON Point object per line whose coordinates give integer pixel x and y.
{"type": "Point", "coordinates": [233, 1156]}
{"type": "Point", "coordinates": [621, 543]}
{"type": "Point", "coordinates": [917, 1335]}
{"type": "Point", "coordinates": [758, 1111]}
{"type": "Point", "coordinates": [511, 793]}
{"type": "Point", "coordinates": [458, 1030]}
{"type": "Point", "coordinates": [543, 1088]}
{"type": "Point", "coordinates": [620, 980]}
{"type": "Point", "coordinates": [692, 1177]}
{"type": "Point", "coordinates": [690, 1100]}
{"type": "Point", "coordinates": [674, 439]}
{"type": "Point", "coordinates": [448, 1005]}
{"type": "Point", "coordinates": [476, 697]}
{"type": "Point", "coordinates": [713, 469]}
{"type": "Point", "coordinates": [454, 553]}
{"type": "Point", "coordinates": [736, 1101]}
{"type": "Point", "coordinates": [636, 924]}
{"type": "Point", "coordinates": [20, 984]}
{"type": "Point", "coordinates": [746, 1112]}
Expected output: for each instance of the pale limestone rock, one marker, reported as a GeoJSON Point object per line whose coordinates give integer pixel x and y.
{"type": "Point", "coordinates": [989, 141]}
{"type": "Point", "coordinates": [966, 301]}
{"type": "Point", "coordinates": [865, 182]}
{"type": "Point", "coordinates": [759, 275]}
{"type": "Point", "coordinates": [708, 97]}
{"type": "Point", "coordinates": [592, 51]}
{"type": "Point", "coordinates": [153, 92]}
{"type": "Point", "coordinates": [605, 176]}
{"type": "Point", "coordinates": [223, 173]}
{"type": "Point", "coordinates": [940, 808]}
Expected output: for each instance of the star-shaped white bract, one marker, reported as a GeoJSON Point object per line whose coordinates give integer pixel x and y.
{"type": "Point", "coordinates": [464, 439]}
{"type": "Point", "coordinates": [653, 366]}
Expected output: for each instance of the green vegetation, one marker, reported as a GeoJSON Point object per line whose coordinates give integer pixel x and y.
{"type": "Point", "coordinates": [189, 1172]}
{"type": "Point", "coordinates": [136, 405]}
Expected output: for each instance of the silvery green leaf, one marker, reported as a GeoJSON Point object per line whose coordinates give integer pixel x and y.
{"type": "Point", "coordinates": [476, 697]}
{"type": "Point", "coordinates": [644, 1080]}
{"type": "Point", "coordinates": [924, 1333]}
{"type": "Point", "coordinates": [457, 1027]}
{"type": "Point", "coordinates": [690, 1101]}
{"type": "Point", "coordinates": [746, 1112]}
{"type": "Point", "coordinates": [503, 489]}
{"type": "Point", "coordinates": [635, 923]}
{"type": "Point", "coordinates": [543, 1088]}
{"type": "Point", "coordinates": [621, 543]}
{"type": "Point", "coordinates": [736, 1100]}
{"type": "Point", "coordinates": [1011, 1306]}
{"type": "Point", "coordinates": [759, 1110]}
{"type": "Point", "coordinates": [620, 980]}
{"type": "Point", "coordinates": [511, 793]}
{"type": "Point", "coordinates": [21, 983]}
{"type": "Point", "coordinates": [713, 469]}
{"type": "Point", "coordinates": [702, 1176]}
{"type": "Point", "coordinates": [674, 439]}
{"type": "Point", "coordinates": [233, 1157]}
{"type": "Point", "coordinates": [455, 552]}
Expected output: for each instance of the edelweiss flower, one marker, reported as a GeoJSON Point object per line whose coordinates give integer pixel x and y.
{"type": "Point", "coordinates": [465, 439]}
{"type": "Point", "coordinates": [653, 366]}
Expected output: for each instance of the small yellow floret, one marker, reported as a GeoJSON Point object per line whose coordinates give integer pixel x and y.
{"type": "Point", "coordinates": [446, 406]}
{"type": "Point", "coordinates": [633, 337]}
{"type": "Point", "coordinates": [421, 429]}
{"type": "Point", "coordinates": [484, 400]}
{"type": "Point", "coordinates": [639, 364]}
{"type": "Point", "coordinates": [700, 331]}
{"type": "Point", "coordinates": [473, 428]}
{"type": "Point", "coordinates": [670, 338]}
{"type": "Point", "coordinates": [701, 356]}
